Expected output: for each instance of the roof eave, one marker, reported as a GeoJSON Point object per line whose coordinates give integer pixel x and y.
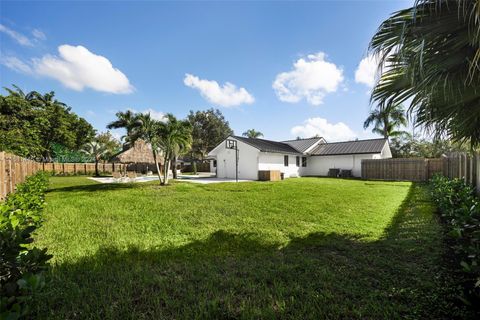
{"type": "Point", "coordinates": [343, 154]}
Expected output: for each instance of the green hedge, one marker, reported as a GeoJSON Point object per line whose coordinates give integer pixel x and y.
{"type": "Point", "coordinates": [460, 210]}
{"type": "Point", "coordinates": [21, 264]}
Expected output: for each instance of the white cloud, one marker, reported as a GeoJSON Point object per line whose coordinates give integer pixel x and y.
{"type": "Point", "coordinates": [38, 34]}
{"type": "Point", "coordinates": [227, 95]}
{"type": "Point", "coordinates": [116, 134]}
{"type": "Point", "coordinates": [312, 78]}
{"type": "Point", "coordinates": [18, 37]}
{"type": "Point", "coordinates": [367, 71]}
{"type": "Point", "coordinates": [157, 115]}
{"type": "Point", "coordinates": [15, 64]}
{"type": "Point", "coordinates": [78, 68]}
{"type": "Point", "coordinates": [330, 131]}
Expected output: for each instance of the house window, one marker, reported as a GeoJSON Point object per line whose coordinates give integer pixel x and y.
{"type": "Point", "coordinates": [215, 163]}
{"type": "Point", "coordinates": [285, 161]}
{"type": "Point", "coordinates": [298, 161]}
{"type": "Point", "coordinates": [304, 161]}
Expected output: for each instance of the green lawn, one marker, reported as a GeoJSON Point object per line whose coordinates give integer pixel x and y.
{"type": "Point", "coordinates": [304, 248]}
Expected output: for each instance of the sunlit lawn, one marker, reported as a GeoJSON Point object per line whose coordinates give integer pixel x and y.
{"type": "Point", "coordinates": [301, 248]}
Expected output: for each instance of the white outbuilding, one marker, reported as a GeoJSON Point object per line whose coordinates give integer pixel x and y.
{"type": "Point", "coordinates": [293, 158]}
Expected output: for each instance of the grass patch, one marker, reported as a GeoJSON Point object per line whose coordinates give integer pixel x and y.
{"type": "Point", "coordinates": [301, 248]}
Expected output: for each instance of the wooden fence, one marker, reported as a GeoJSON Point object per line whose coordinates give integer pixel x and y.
{"type": "Point", "coordinates": [81, 168]}
{"type": "Point", "coordinates": [455, 165]}
{"type": "Point", "coordinates": [15, 169]}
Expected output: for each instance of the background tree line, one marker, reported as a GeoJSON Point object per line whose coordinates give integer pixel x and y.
{"type": "Point", "coordinates": [171, 138]}
{"type": "Point", "coordinates": [39, 126]}
{"type": "Point", "coordinates": [36, 125]}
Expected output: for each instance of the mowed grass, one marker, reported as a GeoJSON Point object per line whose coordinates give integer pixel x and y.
{"type": "Point", "coordinates": [305, 248]}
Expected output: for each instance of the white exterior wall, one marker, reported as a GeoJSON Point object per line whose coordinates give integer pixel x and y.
{"type": "Point", "coordinates": [386, 152]}
{"type": "Point", "coordinates": [275, 161]}
{"type": "Point", "coordinates": [213, 169]}
{"type": "Point", "coordinates": [319, 165]}
{"type": "Point", "coordinates": [251, 160]}
{"type": "Point", "coordinates": [247, 161]}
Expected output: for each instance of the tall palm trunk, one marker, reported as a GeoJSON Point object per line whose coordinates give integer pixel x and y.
{"type": "Point", "coordinates": [165, 170]}
{"type": "Point", "coordinates": [194, 164]}
{"type": "Point", "coordinates": [97, 174]}
{"type": "Point", "coordinates": [174, 167]}
{"type": "Point", "coordinates": [158, 167]}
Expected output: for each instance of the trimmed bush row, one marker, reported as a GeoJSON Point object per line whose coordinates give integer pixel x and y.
{"type": "Point", "coordinates": [460, 211]}
{"type": "Point", "coordinates": [21, 264]}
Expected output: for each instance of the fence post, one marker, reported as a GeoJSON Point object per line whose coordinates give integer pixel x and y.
{"type": "Point", "coordinates": [9, 175]}
{"type": "Point", "coordinates": [2, 175]}
{"type": "Point", "coordinates": [477, 172]}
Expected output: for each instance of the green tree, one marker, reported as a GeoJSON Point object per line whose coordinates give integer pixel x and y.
{"type": "Point", "coordinates": [176, 138]}
{"type": "Point", "coordinates": [386, 120]}
{"type": "Point", "coordinates": [429, 55]}
{"type": "Point", "coordinates": [252, 133]}
{"type": "Point", "coordinates": [149, 130]}
{"type": "Point", "coordinates": [31, 124]}
{"type": "Point", "coordinates": [101, 148]}
{"type": "Point", "coordinates": [18, 129]}
{"type": "Point", "coordinates": [209, 128]}
{"type": "Point", "coordinates": [126, 120]}
{"type": "Point", "coordinates": [413, 146]}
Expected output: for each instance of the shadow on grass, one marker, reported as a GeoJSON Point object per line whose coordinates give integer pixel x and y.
{"type": "Point", "coordinates": [95, 187]}
{"type": "Point", "coordinates": [230, 276]}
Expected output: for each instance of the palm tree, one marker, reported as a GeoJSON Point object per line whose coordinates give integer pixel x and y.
{"type": "Point", "coordinates": [176, 138]}
{"type": "Point", "coordinates": [103, 147]}
{"type": "Point", "coordinates": [149, 130]}
{"type": "Point", "coordinates": [126, 120]}
{"type": "Point", "coordinates": [252, 133]}
{"type": "Point", "coordinates": [16, 92]}
{"type": "Point", "coordinates": [96, 150]}
{"type": "Point", "coordinates": [430, 55]}
{"type": "Point", "coordinates": [386, 120]}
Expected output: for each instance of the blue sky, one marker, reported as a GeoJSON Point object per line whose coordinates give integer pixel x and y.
{"type": "Point", "coordinates": [286, 69]}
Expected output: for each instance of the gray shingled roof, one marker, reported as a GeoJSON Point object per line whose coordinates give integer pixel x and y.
{"type": "Point", "coordinates": [268, 145]}
{"type": "Point", "coordinates": [302, 145]}
{"type": "Point", "coordinates": [349, 147]}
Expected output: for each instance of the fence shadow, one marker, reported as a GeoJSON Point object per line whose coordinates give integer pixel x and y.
{"type": "Point", "coordinates": [230, 276]}
{"type": "Point", "coordinates": [93, 187]}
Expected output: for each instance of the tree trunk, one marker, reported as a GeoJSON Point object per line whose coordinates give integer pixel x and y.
{"type": "Point", "coordinates": [165, 171]}
{"type": "Point", "coordinates": [174, 167]}
{"type": "Point", "coordinates": [194, 164]}
{"type": "Point", "coordinates": [158, 167]}
{"type": "Point", "coordinates": [96, 168]}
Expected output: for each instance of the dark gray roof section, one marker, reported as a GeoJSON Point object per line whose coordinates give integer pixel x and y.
{"type": "Point", "coordinates": [349, 147]}
{"type": "Point", "coordinates": [267, 145]}
{"type": "Point", "coordinates": [303, 145]}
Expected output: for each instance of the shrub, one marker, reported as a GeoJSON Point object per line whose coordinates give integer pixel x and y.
{"type": "Point", "coordinates": [460, 210]}
{"type": "Point", "coordinates": [21, 265]}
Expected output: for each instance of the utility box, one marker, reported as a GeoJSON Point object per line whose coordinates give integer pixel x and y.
{"type": "Point", "coordinates": [269, 175]}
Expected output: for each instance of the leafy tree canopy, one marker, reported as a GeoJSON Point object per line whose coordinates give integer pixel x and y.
{"type": "Point", "coordinates": [430, 54]}
{"type": "Point", "coordinates": [32, 124]}
{"type": "Point", "coordinates": [209, 128]}
{"type": "Point", "coordinates": [407, 146]}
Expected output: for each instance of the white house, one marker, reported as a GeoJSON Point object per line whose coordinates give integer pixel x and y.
{"type": "Point", "coordinates": [294, 158]}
